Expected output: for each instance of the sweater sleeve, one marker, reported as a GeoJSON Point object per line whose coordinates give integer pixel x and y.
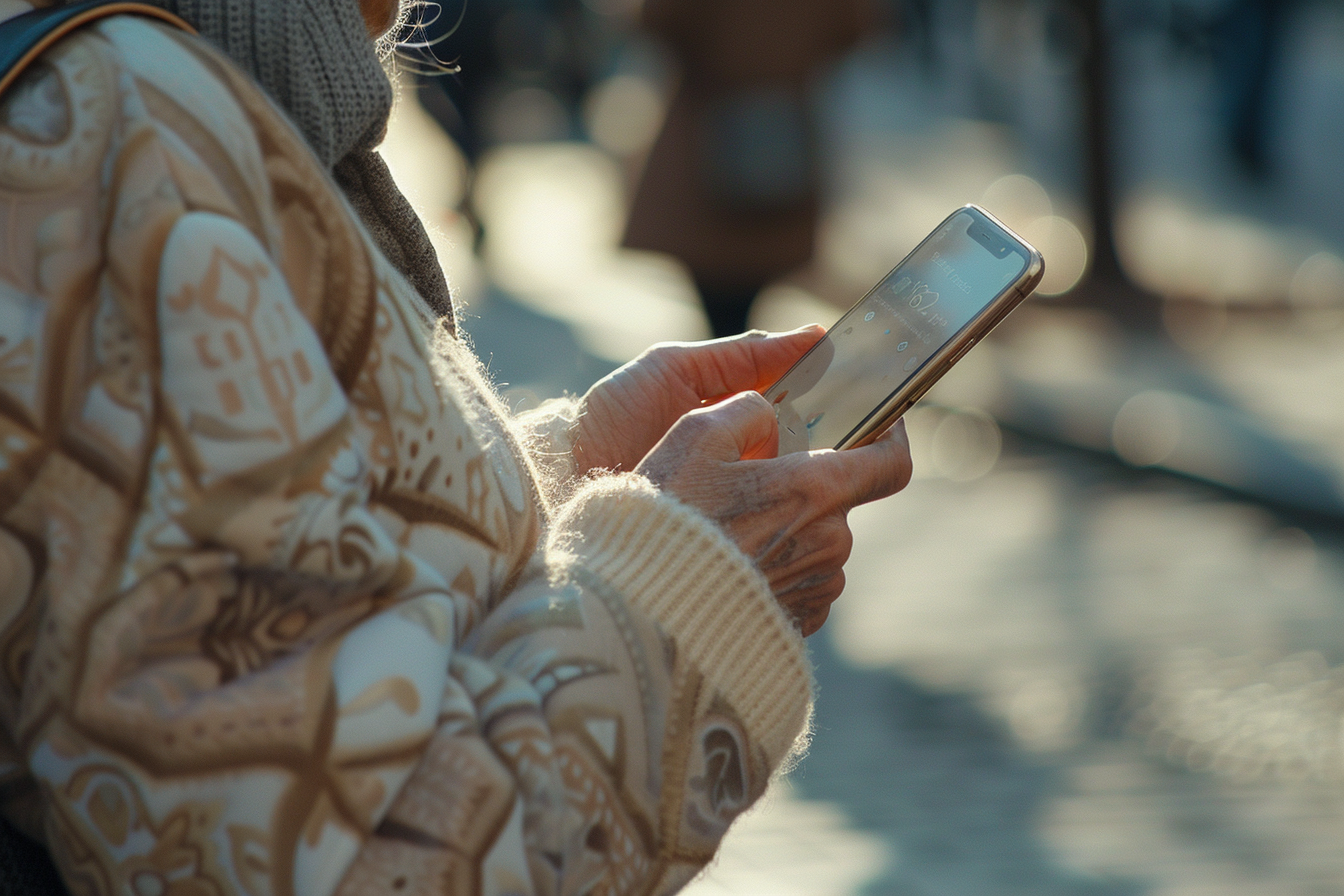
{"type": "Point", "coordinates": [547, 434]}
{"type": "Point", "coordinates": [284, 624]}
{"type": "Point", "coordinates": [609, 720]}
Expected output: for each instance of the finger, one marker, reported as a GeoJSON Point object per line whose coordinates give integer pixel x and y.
{"type": "Point", "coordinates": [873, 471]}
{"type": "Point", "coordinates": [772, 354]}
{"type": "Point", "coordinates": [809, 602]}
{"type": "Point", "coordinates": [750, 361]}
{"type": "Point", "coordinates": [741, 427]}
{"type": "Point", "coordinates": [808, 544]}
{"type": "Point", "coordinates": [813, 623]}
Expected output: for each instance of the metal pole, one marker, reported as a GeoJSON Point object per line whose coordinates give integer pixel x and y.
{"type": "Point", "coordinates": [1106, 286]}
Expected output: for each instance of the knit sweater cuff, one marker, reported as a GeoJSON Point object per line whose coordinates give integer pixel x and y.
{"type": "Point", "coordinates": [674, 564]}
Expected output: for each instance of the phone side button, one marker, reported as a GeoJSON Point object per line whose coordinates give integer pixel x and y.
{"type": "Point", "coordinates": [961, 354]}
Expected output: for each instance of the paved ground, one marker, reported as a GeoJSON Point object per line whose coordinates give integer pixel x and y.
{"type": "Point", "coordinates": [1061, 675]}
{"type": "Point", "coordinates": [1051, 672]}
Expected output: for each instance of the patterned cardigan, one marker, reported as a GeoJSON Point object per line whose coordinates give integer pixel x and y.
{"type": "Point", "coordinates": [284, 608]}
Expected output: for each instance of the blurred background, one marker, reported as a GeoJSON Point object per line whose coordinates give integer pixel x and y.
{"type": "Point", "coordinates": [1097, 646]}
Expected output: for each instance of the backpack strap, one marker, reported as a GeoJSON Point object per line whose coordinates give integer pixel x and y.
{"type": "Point", "coordinates": [25, 37]}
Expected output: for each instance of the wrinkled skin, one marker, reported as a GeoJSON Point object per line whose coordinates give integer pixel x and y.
{"type": "Point", "coordinates": [690, 417]}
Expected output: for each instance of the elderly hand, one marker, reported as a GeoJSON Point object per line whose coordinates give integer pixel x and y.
{"type": "Point", "coordinates": [626, 413]}
{"type": "Point", "coordinates": [786, 513]}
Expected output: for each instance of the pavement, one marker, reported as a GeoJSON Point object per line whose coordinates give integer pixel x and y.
{"type": "Point", "coordinates": [1064, 663]}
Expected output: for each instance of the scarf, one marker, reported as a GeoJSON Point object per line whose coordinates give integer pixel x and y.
{"type": "Point", "coordinates": [315, 58]}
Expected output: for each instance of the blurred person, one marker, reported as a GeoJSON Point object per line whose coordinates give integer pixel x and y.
{"type": "Point", "coordinates": [289, 602]}
{"type": "Point", "coordinates": [731, 186]}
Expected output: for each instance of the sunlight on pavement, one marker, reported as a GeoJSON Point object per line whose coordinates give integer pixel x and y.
{"type": "Point", "coordinates": [928, 585]}
{"type": "Point", "coordinates": [973, 608]}
{"type": "Point", "coordinates": [1178, 249]}
{"type": "Point", "coordinates": [1024, 594]}
{"type": "Point", "coordinates": [787, 846]}
{"type": "Point", "coordinates": [553, 216]}
{"type": "Point", "coordinates": [1196, 837]}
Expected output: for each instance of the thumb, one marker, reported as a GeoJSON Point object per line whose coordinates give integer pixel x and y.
{"type": "Point", "coordinates": [751, 360]}
{"type": "Point", "coordinates": [772, 354]}
{"type": "Point", "coordinates": [738, 428]}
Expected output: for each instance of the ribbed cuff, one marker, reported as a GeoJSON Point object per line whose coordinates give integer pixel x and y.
{"type": "Point", "coordinates": [675, 565]}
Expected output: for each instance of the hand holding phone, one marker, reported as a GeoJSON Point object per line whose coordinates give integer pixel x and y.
{"type": "Point", "coordinates": [789, 514]}
{"type": "Point", "coordinates": [905, 334]}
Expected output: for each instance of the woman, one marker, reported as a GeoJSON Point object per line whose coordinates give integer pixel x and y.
{"type": "Point", "coordinates": [288, 603]}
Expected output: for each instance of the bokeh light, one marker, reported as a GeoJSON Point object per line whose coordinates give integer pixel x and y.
{"type": "Point", "coordinates": [549, 211]}
{"type": "Point", "coordinates": [965, 445]}
{"type": "Point", "coordinates": [1023, 204]}
{"type": "Point", "coordinates": [1178, 249]}
{"type": "Point", "coordinates": [1318, 282]}
{"type": "Point", "coordinates": [1065, 250]}
{"type": "Point", "coordinates": [1017, 200]}
{"type": "Point", "coordinates": [623, 114]}
{"type": "Point", "coordinates": [1147, 429]}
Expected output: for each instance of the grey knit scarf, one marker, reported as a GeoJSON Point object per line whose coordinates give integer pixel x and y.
{"type": "Point", "coordinates": [316, 60]}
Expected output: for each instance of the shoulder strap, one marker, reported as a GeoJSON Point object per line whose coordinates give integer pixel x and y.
{"type": "Point", "coordinates": [25, 37]}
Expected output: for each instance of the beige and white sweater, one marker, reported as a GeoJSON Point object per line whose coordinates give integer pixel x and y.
{"type": "Point", "coordinates": [282, 609]}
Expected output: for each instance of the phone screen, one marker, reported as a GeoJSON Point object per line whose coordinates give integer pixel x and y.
{"type": "Point", "coordinates": [889, 337]}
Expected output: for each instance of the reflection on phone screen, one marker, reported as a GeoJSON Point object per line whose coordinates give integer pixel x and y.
{"type": "Point", "coordinates": [888, 337]}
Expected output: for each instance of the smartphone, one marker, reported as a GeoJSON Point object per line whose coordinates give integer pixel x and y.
{"type": "Point", "coordinates": [908, 331]}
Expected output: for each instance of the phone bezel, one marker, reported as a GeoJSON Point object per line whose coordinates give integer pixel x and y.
{"type": "Point", "coordinates": [1010, 296]}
